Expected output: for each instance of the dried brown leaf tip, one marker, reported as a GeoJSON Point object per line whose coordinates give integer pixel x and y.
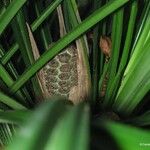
{"type": "Point", "coordinates": [105, 45]}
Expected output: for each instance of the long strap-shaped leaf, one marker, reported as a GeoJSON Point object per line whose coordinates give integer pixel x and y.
{"type": "Point", "coordinates": [131, 93]}
{"type": "Point", "coordinates": [14, 117]}
{"type": "Point", "coordinates": [71, 133]}
{"type": "Point", "coordinates": [10, 102]}
{"type": "Point", "coordinates": [7, 79]}
{"type": "Point", "coordinates": [11, 11]}
{"type": "Point", "coordinates": [115, 84]}
{"type": "Point", "coordinates": [116, 43]}
{"type": "Point", "coordinates": [62, 43]}
{"type": "Point", "coordinates": [39, 126]}
{"type": "Point", "coordinates": [6, 132]}
{"type": "Point", "coordinates": [136, 73]}
{"type": "Point", "coordinates": [128, 138]}
{"type": "Point", "coordinates": [34, 26]}
{"type": "Point", "coordinates": [138, 47]}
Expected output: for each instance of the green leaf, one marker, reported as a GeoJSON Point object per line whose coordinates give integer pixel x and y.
{"type": "Point", "coordinates": [6, 132]}
{"type": "Point", "coordinates": [54, 126]}
{"type": "Point", "coordinates": [44, 15]}
{"type": "Point", "coordinates": [71, 133]}
{"type": "Point", "coordinates": [136, 75]}
{"type": "Point", "coordinates": [96, 56]}
{"type": "Point", "coordinates": [126, 51]}
{"type": "Point", "coordinates": [127, 137]}
{"type": "Point", "coordinates": [14, 117]}
{"type": "Point", "coordinates": [10, 102]}
{"type": "Point", "coordinates": [34, 134]}
{"type": "Point", "coordinates": [137, 48]}
{"type": "Point", "coordinates": [22, 38]}
{"type": "Point", "coordinates": [10, 12]}
{"type": "Point", "coordinates": [131, 93]}
{"type": "Point", "coordinates": [116, 44]}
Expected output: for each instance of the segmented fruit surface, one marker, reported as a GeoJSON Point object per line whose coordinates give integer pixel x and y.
{"type": "Point", "coordinates": [61, 73]}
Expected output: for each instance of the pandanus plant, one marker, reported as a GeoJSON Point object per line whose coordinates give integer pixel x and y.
{"type": "Point", "coordinates": [74, 75]}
